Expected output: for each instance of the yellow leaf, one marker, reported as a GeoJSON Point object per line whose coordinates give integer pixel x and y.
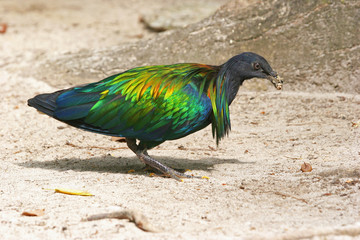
{"type": "Point", "coordinates": [72, 192]}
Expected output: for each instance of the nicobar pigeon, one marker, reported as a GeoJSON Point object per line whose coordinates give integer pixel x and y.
{"type": "Point", "coordinates": [153, 104]}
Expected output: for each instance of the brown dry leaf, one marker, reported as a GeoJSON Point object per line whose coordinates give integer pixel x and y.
{"type": "Point", "coordinates": [72, 192]}
{"type": "Point", "coordinates": [34, 213]}
{"type": "Point", "coordinates": [352, 181]}
{"type": "Point", "coordinates": [181, 147]}
{"type": "Point", "coordinates": [355, 124]}
{"type": "Point", "coordinates": [118, 139]}
{"type": "Point", "coordinates": [211, 148]}
{"type": "Point", "coordinates": [341, 98]}
{"type": "Point", "coordinates": [306, 167]}
{"type": "Point", "coordinates": [3, 27]}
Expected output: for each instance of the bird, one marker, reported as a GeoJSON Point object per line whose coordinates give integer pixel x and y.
{"type": "Point", "coordinates": [149, 105]}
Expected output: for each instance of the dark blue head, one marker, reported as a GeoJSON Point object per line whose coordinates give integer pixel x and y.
{"type": "Point", "coordinates": [249, 65]}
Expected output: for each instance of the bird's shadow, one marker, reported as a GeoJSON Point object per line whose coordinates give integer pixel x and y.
{"type": "Point", "coordinates": [112, 164]}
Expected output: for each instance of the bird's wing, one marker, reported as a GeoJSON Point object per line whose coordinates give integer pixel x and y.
{"type": "Point", "coordinates": [154, 103]}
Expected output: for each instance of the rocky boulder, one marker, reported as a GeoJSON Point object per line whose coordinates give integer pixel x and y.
{"type": "Point", "coordinates": [313, 44]}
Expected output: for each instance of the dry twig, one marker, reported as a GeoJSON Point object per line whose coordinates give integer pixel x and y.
{"type": "Point", "coordinates": [105, 148]}
{"type": "Point", "coordinates": [294, 197]}
{"type": "Point", "coordinates": [133, 216]}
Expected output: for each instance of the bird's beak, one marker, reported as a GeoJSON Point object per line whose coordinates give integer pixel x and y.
{"type": "Point", "coordinates": [276, 80]}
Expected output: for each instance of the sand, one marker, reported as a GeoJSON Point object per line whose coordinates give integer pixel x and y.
{"type": "Point", "coordinates": [255, 188]}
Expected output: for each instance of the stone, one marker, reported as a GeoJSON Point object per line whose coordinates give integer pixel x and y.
{"type": "Point", "coordinates": [314, 45]}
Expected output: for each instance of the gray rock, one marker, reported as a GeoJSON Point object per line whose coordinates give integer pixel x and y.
{"type": "Point", "coordinates": [179, 15]}
{"type": "Point", "coordinates": [313, 44]}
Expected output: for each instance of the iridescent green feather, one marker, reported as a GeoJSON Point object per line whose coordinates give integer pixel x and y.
{"type": "Point", "coordinates": [219, 100]}
{"type": "Point", "coordinates": [155, 103]}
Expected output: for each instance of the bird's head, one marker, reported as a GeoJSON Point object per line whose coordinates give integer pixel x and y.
{"type": "Point", "coordinates": [251, 65]}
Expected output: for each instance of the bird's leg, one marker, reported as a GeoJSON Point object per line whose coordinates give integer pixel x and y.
{"type": "Point", "coordinates": [145, 158]}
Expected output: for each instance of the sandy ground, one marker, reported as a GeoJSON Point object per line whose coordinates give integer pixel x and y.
{"type": "Point", "coordinates": [256, 189]}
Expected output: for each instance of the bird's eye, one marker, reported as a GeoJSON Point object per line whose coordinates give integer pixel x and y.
{"type": "Point", "coordinates": [256, 66]}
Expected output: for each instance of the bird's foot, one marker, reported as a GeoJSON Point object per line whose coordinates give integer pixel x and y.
{"type": "Point", "coordinates": [165, 170]}
{"type": "Point", "coordinates": [176, 174]}
{"type": "Point", "coordinates": [151, 162]}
